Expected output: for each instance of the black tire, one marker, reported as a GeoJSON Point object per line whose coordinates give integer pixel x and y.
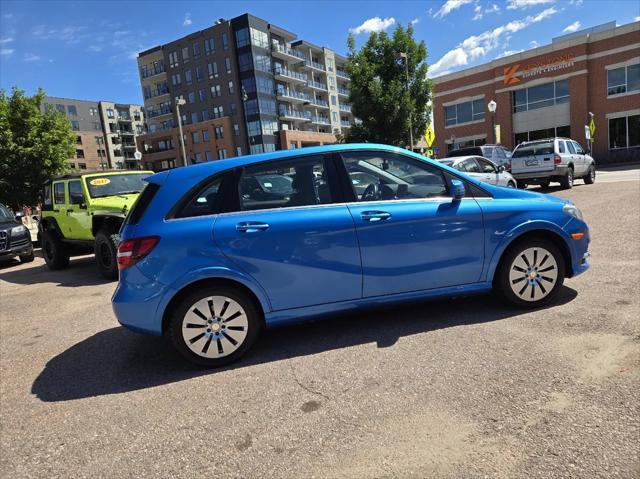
{"type": "Point", "coordinates": [511, 184]}
{"type": "Point", "coordinates": [545, 184]}
{"type": "Point", "coordinates": [590, 177]}
{"type": "Point", "coordinates": [55, 253]}
{"type": "Point", "coordinates": [522, 185]}
{"type": "Point", "coordinates": [106, 252]}
{"type": "Point", "coordinates": [567, 180]}
{"type": "Point", "coordinates": [253, 321]}
{"type": "Point", "coordinates": [27, 258]}
{"type": "Point", "coordinates": [504, 283]}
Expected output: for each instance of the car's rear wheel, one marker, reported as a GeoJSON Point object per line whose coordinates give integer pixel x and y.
{"type": "Point", "coordinates": [567, 179]}
{"type": "Point", "coordinates": [545, 184]}
{"type": "Point", "coordinates": [522, 185]}
{"type": "Point", "coordinates": [27, 258]}
{"type": "Point", "coordinates": [511, 184]}
{"type": "Point", "coordinates": [54, 251]}
{"type": "Point", "coordinates": [106, 253]}
{"type": "Point", "coordinates": [531, 273]}
{"type": "Point", "coordinates": [590, 177]}
{"type": "Point", "coordinates": [214, 326]}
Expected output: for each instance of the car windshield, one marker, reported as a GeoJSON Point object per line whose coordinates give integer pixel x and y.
{"type": "Point", "coordinates": [545, 148]}
{"type": "Point", "coordinates": [5, 214]}
{"type": "Point", "coordinates": [113, 185]}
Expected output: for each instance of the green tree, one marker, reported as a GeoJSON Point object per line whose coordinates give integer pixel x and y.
{"type": "Point", "coordinates": [378, 90]}
{"type": "Point", "coordinates": [33, 146]}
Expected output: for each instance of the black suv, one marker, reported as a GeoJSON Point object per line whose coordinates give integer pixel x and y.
{"type": "Point", "coordinates": [15, 239]}
{"type": "Point", "coordinates": [500, 155]}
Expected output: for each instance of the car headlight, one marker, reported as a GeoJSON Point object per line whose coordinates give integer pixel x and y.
{"type": "Point", "coordinates": [573, 210]}
{"type": "Point", "coordinates": [17, 230]}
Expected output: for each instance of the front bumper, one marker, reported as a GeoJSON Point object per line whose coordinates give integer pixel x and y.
{"type": "Point", "coordinates": [19, 250]}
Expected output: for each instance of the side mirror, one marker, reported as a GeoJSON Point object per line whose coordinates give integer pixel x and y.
{"type": "Point", "coordinates": [457, 189]}
{"type": "Point", "coordinates": [501, 169]}
{"type": "Point", "coordinates": [19, 217]}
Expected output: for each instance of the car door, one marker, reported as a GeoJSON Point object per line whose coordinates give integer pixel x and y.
{"type": "Point", "coordinates": [78, 217]}
{"type": "Point", "coordinates": [60, 206]}
{"type": "Point", "coordinates": [298, 244]}
{"type": "Point", "coordinates": [581, 161]}
{"type": "Point", "coordinates": [489, 171]}
{"type": "Point", "coordinates": [412, 235]}
{"type": "Point", "coordinates": [471, 167]}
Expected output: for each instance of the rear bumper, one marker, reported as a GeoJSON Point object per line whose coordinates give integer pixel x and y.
{"type": "Point", "coordinates": [541, 176]}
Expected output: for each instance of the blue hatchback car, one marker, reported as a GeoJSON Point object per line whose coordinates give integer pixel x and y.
{"type": "Point", "coordinates": [212, 253]}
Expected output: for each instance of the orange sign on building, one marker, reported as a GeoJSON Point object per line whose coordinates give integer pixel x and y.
{"type": "Point", "coordinates": [537, 68]}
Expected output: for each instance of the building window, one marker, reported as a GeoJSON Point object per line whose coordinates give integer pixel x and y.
{"type": "Point", "coordinates": [231, 89]}
{"type": "Point", "coordinates": [82, 166]}
{"type": "Point", "coordinates": [79, 153]}
{"type": "Point", "coordinates": [191, 97]}
{"type": "Point", "coordinates": [194, 117]}
{"type": "Point", "coordinates": [560, 131]}
{"type": "Point", "coordinates": [96, 125]}
{"type": "Point", "coordinates": [541, 96]}
{"type": "Point", "coordinates": [242, 38]}
{"type": "Point", "coordinates": [78, 140]}
{"type": "Point", "coordinates": [259, 38]}
{"type": "Point", "coordinates": [110, 113]}
{"type": "Point", "coordinates": [236, 129]}
{"type": "Point", "coordinates": [188, 78]}
{"type": "Point", "coordinates": [269, 127]}
{"type": "Point", "coordinates": [93, 111]}
{"type": "Point", "coordinates": [219, 132]}
{"type": "Point", "coordinates": [222, 153]}
{"type": "Point", "coordinates": [464, 112]}
{"type": "Point", "coordinates": [262, 63]}
{"type": "Point", "coordinates": [329, 64]}
{"type": "Point", "coordinates": [176, 79]}
{"type": "Point", "coordinates": [238, 151]}
{"type": "Point", "coordinates": [60, 108]}
{"type": "Point", "coordinates": [245, 62]}
{"type": "Point", "coordinates": [73, 111]}
{"type": "Point", "coordinates": [334, 100]}
{"type": "Point", "coordinates": [623, 79]}
{"type": "Point", "coordinates": [196, 50]}
{"type": "Point", "coordinates": [185, 54]}
{"type": "Point", "coordinates": [75, 125]}
{"type": "Point", "coordinates": [253, 128]}
{"type": "Point", "coordinates": [173, 59]}
{"type": "Point", "coordinates": [233, 108]}
{"type": "Point", "coordinates": [218, 111]}
{"type": "Point", "coordinates": [199, 74]}
{"type": "Point", "coordinates": [72, 166]}
{"type": "Point", "coordinates": [216, 91]}
{"type": "Point", "coordinates": [205, 135]}
{"type": "Point", "coordinates": [624, 132]}
{"type": "Point", "coordinates": [209, 46]}
{"type": "Point", "coordinates": [213, 70]}
{"type": "Point", "coordinates": [205, 115]}
{"type": "Point", "coordinates": [195, 137]}
{"type": "Point", "coordinates": [225, 41]}
{"type": "Point", "coordinates": [227, 64]}
{"type": "Point", "coordinates": [265, 85]}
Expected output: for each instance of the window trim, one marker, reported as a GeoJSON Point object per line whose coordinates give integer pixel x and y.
{"type": "Point", "coordinates": [64, 192]}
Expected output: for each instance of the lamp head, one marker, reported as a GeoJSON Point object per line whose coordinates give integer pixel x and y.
{"type": "Point", "coordinates": [492, 106]}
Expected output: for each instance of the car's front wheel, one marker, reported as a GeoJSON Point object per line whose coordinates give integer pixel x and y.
{"type": "Point", "coordinates": [106, 252]}
{"type": "Point", "coordinates": [27, 258]}
{"type": "Point", "coordinates": [511, 184]}
{"type": "Point", "coordinates": [54, 251]}
{"type": "Point", "coordinates": [531, 273]}
{"type": "Point", "coordinates": [214, 326]}
{"type": "Point", "coordinates": [522, 185]}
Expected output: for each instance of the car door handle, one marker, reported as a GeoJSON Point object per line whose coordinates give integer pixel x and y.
{"type": "Point", "coordinates": [375, 215]}
{"type": "Point", "coordinates": [251, 227]}
{"type": "Point", "coordinates": [69, 210]}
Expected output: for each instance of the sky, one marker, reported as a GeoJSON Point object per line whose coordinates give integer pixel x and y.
{"type": "Point", "coordinates": [87, 49]}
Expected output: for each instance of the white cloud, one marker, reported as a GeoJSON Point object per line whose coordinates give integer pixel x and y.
{"type": "Point", "coordinates": [414, 21]}
{"type": "Point", "coordinates": [506, 53]}
{"type": "Point", "coordinates": [449, 6]}
{"type": "Point", "coordinates": [375, 24]}
{"type": "Point", "coordinates": [478, 12]}
{"type": "Point", "coordinates": [7, 16]}
{"type": "Point", "coordinates": [637, 19]}
{"type": "Point", "coordinates": [5, 40]}
{"type": "Point", "coordinates": [187, 20]}
{"type": "Point", "coordinates": [516, 4]}
{"type": "Point", "coordinates": [478, 46]}
{"type": "Point", "coordinates": [6, 51]}
{"type": "Point", "coordinates": [30, 57]}
{"type": "Point", "coordinates": [573, 27]}
{"type": "Point", "coordinates": [494, 8]}
{"type": "Point", "coordinates": [534, 44]}
{"type": "Point", "coordinates": [577, 3]}
{"type": "Point", "coordinates": [70, 35]}
{"type": "Point", "coordinates": [96, 48]}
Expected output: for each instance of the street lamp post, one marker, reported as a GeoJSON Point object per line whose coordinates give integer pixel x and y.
{"type": "Point", "coordinates": [590, 138]}
{"type": "Point", "coordinates": [179, 102]}
{"type": "Point", "coordinates": [406, 71]}
{"type": "Point", "coordinates": [492, 108]}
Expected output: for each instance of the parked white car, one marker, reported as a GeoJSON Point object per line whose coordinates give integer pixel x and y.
{"type": "Point", "coordinates": [481, 169]}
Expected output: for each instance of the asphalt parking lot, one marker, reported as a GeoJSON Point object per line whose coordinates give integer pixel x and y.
{"type": "Point", "coordinates": [454, 388]}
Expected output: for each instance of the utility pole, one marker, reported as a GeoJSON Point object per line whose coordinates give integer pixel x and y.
{"type": "Point", "coordinates": [406, 71]}
{"type": "Point", "coordinates": [179, 102]}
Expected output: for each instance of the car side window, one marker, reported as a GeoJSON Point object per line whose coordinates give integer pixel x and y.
{"type": "Point", "coordinates": [377, 176]}
{"type": "Point", "coordinates": [469, 166]}
{"type": "Point", "coordinates": [47, 202]}
{"type": "Point", "coordinates": [75, 192]}
{"type": "Point", "coordinates": [498, 155]}
{"type": "Point", "coordinates": [579, 150]}
{"type": "Point", "coordinates": [282, 184]}
{"type": "Point", "coordinates": [58, 193]}
{"type": "Point", "coordinates": [487, 166]}
{"type": "Point", "coordinates": [572, 150]}
{"type": "Point", "coordinates": [207, 201]}
{"type": "Point", "coordinates": [561, 147]}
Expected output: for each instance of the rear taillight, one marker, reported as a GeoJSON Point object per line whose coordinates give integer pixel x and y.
{"type": "Point", "coordinates": [556, 159]}
{"type": "Point", "coordinates": [133, 250]}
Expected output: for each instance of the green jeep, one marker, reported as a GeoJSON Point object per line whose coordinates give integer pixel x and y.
{"type": "Point", "coordinates": [83, 212]}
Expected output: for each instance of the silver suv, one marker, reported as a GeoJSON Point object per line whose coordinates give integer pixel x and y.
{"type": "Point", "coordinates": [556, 159]}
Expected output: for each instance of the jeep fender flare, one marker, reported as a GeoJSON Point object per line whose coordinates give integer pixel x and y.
{"type": "Point", "coordinates": [113, 222]}
{"type": "Point", "coordinates": [48, 223]}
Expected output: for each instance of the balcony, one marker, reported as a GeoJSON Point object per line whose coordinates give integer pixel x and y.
{"type": "Point", "coordinates": [293, 96]}
{"type": "Point", "coordinates": [156, 93]}
{"type": "Point", "coordinates": [320, 103]}
{"type": "Point", "coordinates": [294, 115]}
{"type": "Point", "coordinates": [342, 74]}
{"type": "Point", "coordinates": [151, 72]}
{"type": "Point", "coordinates": [314, 65]}
{"type": "Point", "coordinates": [126, 133]}
{"type": "Point", "coordinates": [286, 53]}
{"type": "Point", "coordinates": [320, 120]}
{"type": "Point", "coordinates": [286, 74]}
{"type": "Point", "coordinates": [317, 85]}
{"type": "Point", "coordinates": [129, 146]}
{"type": "Point", "coordinates": [343, 91]}
{"type": "Point", "coordinates": [345, 107]}
{"type": "Point", "coordinates": [345, 124]}
{"type": "Point", "coordinates": [153, 113]}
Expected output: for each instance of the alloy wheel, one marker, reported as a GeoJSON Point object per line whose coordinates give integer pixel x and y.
{"type": "Point", "coordinates": [533, 274]}
{"type": "Point", "coordinates": [215, 327]}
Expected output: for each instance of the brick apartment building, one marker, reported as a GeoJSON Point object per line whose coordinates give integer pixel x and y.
{"type": "Point", "coordinates": [251, 85]}
{"type": "Point", "coordinates": [105, 132]}
{"type": "Point", "coordinates": [553, 90]}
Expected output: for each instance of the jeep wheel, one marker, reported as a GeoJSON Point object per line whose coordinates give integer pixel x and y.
{"type": "Point", "coordinates": [106, 255]}
{"type": "Point", "coordinates": [567, 181]}
{"type": "Point", "coordinates": [54, 251]}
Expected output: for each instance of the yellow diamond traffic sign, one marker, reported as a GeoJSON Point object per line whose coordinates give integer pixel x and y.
{"type": "Point", "coordinates": [592, 129]}
{"type": "Point", "coordinates": [430, 136]}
